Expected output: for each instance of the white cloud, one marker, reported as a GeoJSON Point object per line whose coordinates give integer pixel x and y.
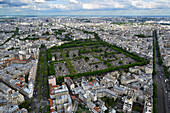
{"type": "Point", "coordinates": [150, 4]}
{"type": "Point", "coordinates": [25, 6]}
{"type": "Point", "coordinates": [91, 6]}
{"type": "Point", "coordinates": [19, 1]}
{"type": "Point", "coordinates": [39, 1]}
{"type": "Point", "coordinates": [109, 4]}
{"type": "Point", "coordinates": [16, 2]}
{"type": "Point", "coordinates": [33, 7]}
{"type": "Point", "coordinates": [58, 6]}
{"type": "Point", "coordinates": [86, 5]}
{"type": "Point", "coordinates": [73, 1]}
{"type": "Point", "coordinates": [143, 5]}
{"type": "Point", "coordinates": [121, 4]}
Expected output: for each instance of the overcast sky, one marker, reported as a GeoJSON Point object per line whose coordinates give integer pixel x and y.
{"type": "Point", "coordinates": [85, 7]}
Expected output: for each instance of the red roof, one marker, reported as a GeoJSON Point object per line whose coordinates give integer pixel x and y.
{"type": "Point", "coordinates": [51, 102]}
{"type": "Point", "coordinates": [52, 110]}
{"type": "Point", "coordinates": [17, 84]}
{"type": "Point", "coordinates": [91, 83]}
{"type": "Point", "coordinates": [132, 77]}
{"type": "Point", "coordinates": [42, 38]}
{"type": "Point", "coordinates": [163, 55]}
{"type": "Point", "coordinates": [96, 108]}
{"type": "Point", "coordinates": [51, 105]}
{"type": "Point", "coordinates": [73, 97]}
{"type": "Point", "coordinates": [14, 59]}
{"type": "Point", "coordinates": [8, 60]}
{"type": "Point", "coordinates": [22, 60]}
{"type": "Point", "coordinates": [135, 88]}
{"type": "Point", "coordinates": [21, 79]}
{"type": "Point", "coordinates": [50, 88]}
{"type": "Point", "coordinates": [11, 91]}
{"type": "Point", "coordinates": [55, 86]}
{"type": "Point", "coordinates": [63, 83]}
{"type": "Point", "coordinates": [66, 77]}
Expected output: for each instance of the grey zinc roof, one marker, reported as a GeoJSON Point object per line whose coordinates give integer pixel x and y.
{"type": "Point", "coordinates": [118, 88]}
{"type": "Point", "coordinates": [11, 108]}
{"type": "Point", "coordinates": [16, 72]}
{"type": "Point", "coordinates": [3, 100]}
{"type": "Point", "coordinates": [4, 87]}
{"type": "Point", "coordinates": [2, 72]}
{"type": "Point", "coordinates": [7, 77]}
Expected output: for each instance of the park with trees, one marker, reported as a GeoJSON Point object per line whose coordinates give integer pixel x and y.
{"type": "Point", "coordinates": [96, 55]}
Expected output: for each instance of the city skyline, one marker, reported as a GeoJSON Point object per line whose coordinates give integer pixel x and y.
{"type": "Point", "coordinates": [86, 7]}
{"type": "Point", "coordinates": [84, 64]}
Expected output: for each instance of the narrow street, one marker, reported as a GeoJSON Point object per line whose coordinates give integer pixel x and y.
{"type": "Point", "coordinates": [159, 79]}
{"type": "Point", "coordinates": [75, 106]}
{"type": "Point", "coordinates": [40, 102]}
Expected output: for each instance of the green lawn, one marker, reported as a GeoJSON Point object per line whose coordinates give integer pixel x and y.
{"type": "Point", "coordinates": [109, 102]}
{"type": "Point", "coordinates": [68, 63]}
{"type": "Point", "coordinates": [82, 109]}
